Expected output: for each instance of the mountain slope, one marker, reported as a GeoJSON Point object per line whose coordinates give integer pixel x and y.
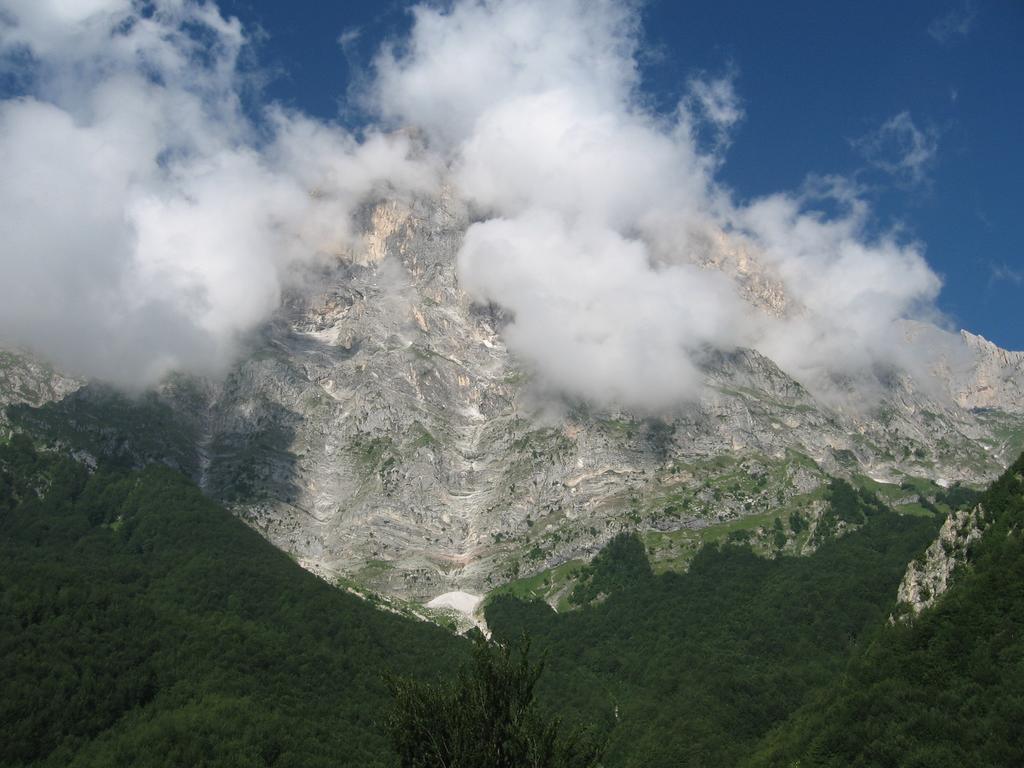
{"type": "Point", "coordinates": [945, 688]}
{"type": "Point", "coordinates": [695, 668]}
{"type": "Point", "coordinates": [382, 419]}
{"type": "Point", "coordinates": [379, 428]}
{"type": "Point", "coordinates": [795, 661]}
{"type": "Point", "coordinates": [141, 625]}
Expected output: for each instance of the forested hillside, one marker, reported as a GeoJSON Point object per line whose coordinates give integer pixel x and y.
{"type": "Point", "coordinates": [694, 669]}
{"type": "Point", "coordinates": [141, 625]}
{"type": "Point", "coordinates": [943, 690]}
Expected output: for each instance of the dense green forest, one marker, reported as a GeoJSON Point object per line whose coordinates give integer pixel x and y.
{"type": "Point", "coordinates": [946, 689]}
{"type": "Point", "coordinates": [488, 716]}
{"type": "Point", "coordinates": [794, 662]}
{"type": "Point", "coordinates": [142, 625]}
{"type": "Point", "coordinates": [694, 669]}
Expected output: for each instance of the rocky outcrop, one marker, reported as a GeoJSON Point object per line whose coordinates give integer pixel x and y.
{"type": "Point", "coordinates": [995, 378]}
{"type": "Point", "coordinates": [25, 380]}
{"type": "Point", "coordinates": [928, 577]}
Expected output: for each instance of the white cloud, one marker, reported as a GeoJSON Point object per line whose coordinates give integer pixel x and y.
{"type": "Point", "coordinates": [591, 315]}
{"type": "Point", "coordinates": [955, 23]}
{"type": "Point", "coordinates": [558, 151]}
{"type": "Point", "coordinates": [460, 63]}
{"type": "Point", "coordinates": [715, 101]}
{"type": "Point", "coordinates": [58, 27]}
{"type": "Point", "coordinates": [148, 224]}
{"type": "Point", "coordinates": [853, 289]}
{"type": "Point", "coordinates": [1003, 273]}
{"type": "Point", "coordinates": [594, 208]}
{"type": "Point", "coordinates": [898, 147]}
{"type": "Point", "coordinates": [145, 226]}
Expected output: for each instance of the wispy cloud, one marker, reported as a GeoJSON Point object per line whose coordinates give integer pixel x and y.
{"type": "Point", "coordinates": [955, 23]}
{"type": "Point", "coordinates": [1003, 273]}
{"type": "Point", "coordinates": [900, 148]}
{"type": "Point", "coordinates": [714, 101]}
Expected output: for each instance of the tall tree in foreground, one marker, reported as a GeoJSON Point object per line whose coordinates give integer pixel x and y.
{"type": "Point", "coordinates": [487, 717]}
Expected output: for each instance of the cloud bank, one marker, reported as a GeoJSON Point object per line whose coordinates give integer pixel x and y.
{"type": "Point", "coordinates": [597, 209]}
{"type": "Point", "coordinates": [148, 222]}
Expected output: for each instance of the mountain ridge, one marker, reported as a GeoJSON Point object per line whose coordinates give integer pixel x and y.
{"type": "Point", "coordinates": [378, 427]}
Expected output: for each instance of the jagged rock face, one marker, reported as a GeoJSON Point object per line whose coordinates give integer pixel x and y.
{"type": "Point", "coordinates": [995, 380]}
{"type": "Point", "coordinates": [380, 429]}
{"type": "Point", "coordinates": [755, 282]}
{"type": "Point", "coordinates": [929, 577]}
{"type": "Point", "coordinates": [26, 380]}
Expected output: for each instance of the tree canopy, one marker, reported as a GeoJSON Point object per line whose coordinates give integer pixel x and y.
{"type": "Point", "coordinates": [488, 716]}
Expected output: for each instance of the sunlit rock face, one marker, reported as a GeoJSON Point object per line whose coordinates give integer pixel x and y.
{"type": "Point", "coordinates": [931, 575]}
{"type": "Point", "coordinates": [996, 378]}
{"type": "Point", "coordinates": [24, 380]}
{"type": "Point", "coordinates": [379, 429]}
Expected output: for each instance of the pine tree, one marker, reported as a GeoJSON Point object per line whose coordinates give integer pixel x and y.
{"type": "Point", "coordinates": [487, 717]}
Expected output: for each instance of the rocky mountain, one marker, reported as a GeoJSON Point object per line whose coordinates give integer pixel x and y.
{"type": "Point", "coordinates": [379, 430]}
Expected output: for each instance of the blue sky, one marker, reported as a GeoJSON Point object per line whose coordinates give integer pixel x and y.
{"type": "Point", "coordinates": [818, 84]}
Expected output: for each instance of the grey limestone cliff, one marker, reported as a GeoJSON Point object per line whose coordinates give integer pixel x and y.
{"type": "Point", "coordinates": [378, 428]}
{"type": "Point", "coordinates": [928, 577]}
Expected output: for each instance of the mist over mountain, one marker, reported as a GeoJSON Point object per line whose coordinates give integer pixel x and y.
{"type": "Point", "coordinates": [183, 215]}
{"type": "Point", "coordinates": [149, 221]}
{"type": "Point", "coordinates": [517, 293]}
